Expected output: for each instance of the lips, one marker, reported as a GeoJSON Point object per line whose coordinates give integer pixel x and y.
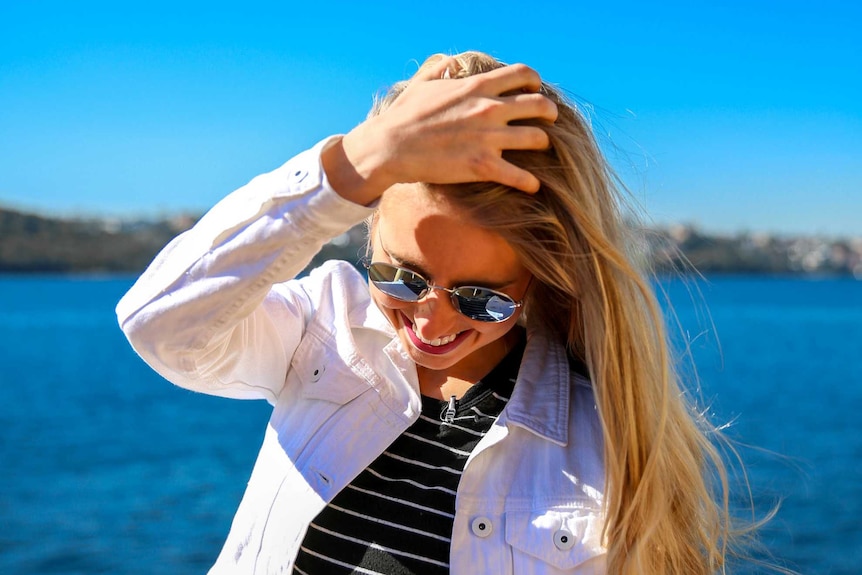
{"type": "Point", "coordinates": [438, 346]}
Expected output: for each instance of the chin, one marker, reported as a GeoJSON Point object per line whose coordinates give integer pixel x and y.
{"type": "Point", "coordinates": [468, 342]}
{"type": "Point", "coordinates": [434, 363]}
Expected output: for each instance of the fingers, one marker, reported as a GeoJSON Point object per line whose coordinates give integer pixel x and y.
{"type": "Point", "coordinates": [526, 106]}
{"type": "Point", "coordinates": [516, 77]}
{"type": "Point", "coordinates": [496, 168]}
{"type": "Point", "coordinates": [524, 138]}
{"type": "Point", "coordinates": [466, 124]}
{"type": "Point", "coordinates": [511, 175]}
{"type": "Point", "coordinates": [512, 78]}
{"type": "Point", "coordinates": [516, 88]}
{"type": "Point", "coordinates": [434, 67]}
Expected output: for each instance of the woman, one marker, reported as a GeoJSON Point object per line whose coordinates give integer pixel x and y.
{"type": "Point", "coordinates": [498, 398]}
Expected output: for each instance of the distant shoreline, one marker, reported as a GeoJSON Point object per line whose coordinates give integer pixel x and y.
{"type": "Point", "coordinates": [32, 244]}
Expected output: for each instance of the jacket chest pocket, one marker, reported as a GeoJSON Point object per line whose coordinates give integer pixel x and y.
{"type": "Point", "coordinates": [319, 384]}
{"type": "Point", "coordinates": [323, 374]}
{"type": "Point", "coordinates": [554, 542]}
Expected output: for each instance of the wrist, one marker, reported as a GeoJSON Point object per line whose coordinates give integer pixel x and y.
{"type": "Point", "coordinates": [354, 166]}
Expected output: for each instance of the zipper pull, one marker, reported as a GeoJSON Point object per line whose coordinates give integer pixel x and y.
{"type": "Point", "coordinates": [449, 414]}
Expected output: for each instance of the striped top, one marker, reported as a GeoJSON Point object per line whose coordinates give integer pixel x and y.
{"type": "Point", "coordinates": [396, 517]}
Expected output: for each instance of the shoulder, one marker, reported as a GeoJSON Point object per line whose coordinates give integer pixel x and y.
{"type": "Point", "coordinates": [337, 295]}
{"type": "Point", "coordinates": [335, 276]}
{"type": "Point", "coordinates": [332, 278]}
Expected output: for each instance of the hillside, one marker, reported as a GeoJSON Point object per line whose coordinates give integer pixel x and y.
{"type": "Point", "coordinates": [31, 243]}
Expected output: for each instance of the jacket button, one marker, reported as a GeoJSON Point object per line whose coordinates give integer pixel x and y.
{"type": "Point", "coordinates": [317, 373]}
{"type": "Point", "coordinates": [481, 527]}
{"type": "Point", "coordinates": [299, 175]}
{"type": "Point", "coordinates": [564, 540]}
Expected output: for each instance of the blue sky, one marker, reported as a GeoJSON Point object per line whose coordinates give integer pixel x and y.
{"type": "Point", "coordinates": [731, 115]}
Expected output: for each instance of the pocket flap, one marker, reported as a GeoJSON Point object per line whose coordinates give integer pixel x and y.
{"type": "Point", "coordinates": [562, 538]}
{"type": "Point", "coordinates": [324, 374]}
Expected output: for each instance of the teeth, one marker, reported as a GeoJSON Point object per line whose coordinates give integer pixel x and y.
{"type": "Point", "coordinates": [439, 341]}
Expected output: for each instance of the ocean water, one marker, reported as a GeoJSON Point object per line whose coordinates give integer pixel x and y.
{"type": "Point", "coordinates": [107, 468]}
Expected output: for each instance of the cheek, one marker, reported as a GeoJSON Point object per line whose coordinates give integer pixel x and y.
{"type": "Point", "coordinates": [389, 305]}
{"type": "Point", "coordinates": [495, 331]}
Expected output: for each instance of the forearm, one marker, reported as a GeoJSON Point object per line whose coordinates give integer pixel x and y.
{"type": "Point", "coordinates": [198, 305]}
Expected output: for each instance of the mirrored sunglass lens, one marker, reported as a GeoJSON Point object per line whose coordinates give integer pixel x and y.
{"type": "Point", "coordinates": [397, 282]}
{"type": "Point", "coordinates": [484, 305]}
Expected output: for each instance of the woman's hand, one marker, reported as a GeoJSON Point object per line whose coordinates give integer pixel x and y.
{"type": "Point", "coordinates": [444, 131]}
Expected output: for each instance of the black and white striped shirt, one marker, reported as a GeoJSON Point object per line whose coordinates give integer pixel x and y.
{"type": "Point", "coordinates": [396, 517]}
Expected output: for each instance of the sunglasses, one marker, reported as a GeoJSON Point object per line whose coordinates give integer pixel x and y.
{"type": "Point", "coordinates": [477, 303]}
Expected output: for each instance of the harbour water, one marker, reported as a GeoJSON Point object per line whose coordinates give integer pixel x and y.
{"type": "Point", "coordinates": [109, 469]}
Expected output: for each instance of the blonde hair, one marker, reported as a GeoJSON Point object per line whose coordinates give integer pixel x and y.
{"type": "Point", "coordinates": [667, 501]}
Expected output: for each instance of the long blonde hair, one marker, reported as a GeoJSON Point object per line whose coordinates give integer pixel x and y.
{"type": "Point", "coordinates": [666, 493]}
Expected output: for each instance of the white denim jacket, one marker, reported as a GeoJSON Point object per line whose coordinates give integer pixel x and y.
{"type": "Point", "coordinates": [218, 312]}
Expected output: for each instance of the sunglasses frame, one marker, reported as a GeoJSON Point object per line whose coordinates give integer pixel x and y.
{"type": "Point", "coordinates": [454, 296]}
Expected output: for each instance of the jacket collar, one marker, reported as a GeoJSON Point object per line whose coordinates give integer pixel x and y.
{"type": "Point", "coordinates": [540, 402]}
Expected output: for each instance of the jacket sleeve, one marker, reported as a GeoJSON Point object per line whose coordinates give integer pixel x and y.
{"type": "Point", "coordinates": [211, 313]}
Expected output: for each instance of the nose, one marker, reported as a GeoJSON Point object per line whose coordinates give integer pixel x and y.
{"type": "Point", "coordinates": [435, 316]}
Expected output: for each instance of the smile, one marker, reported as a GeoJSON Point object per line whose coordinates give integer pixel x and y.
{"type": "Point", "coordinates": [436, 346]}
{"type": "Point", "coordinates": [439, 341]}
